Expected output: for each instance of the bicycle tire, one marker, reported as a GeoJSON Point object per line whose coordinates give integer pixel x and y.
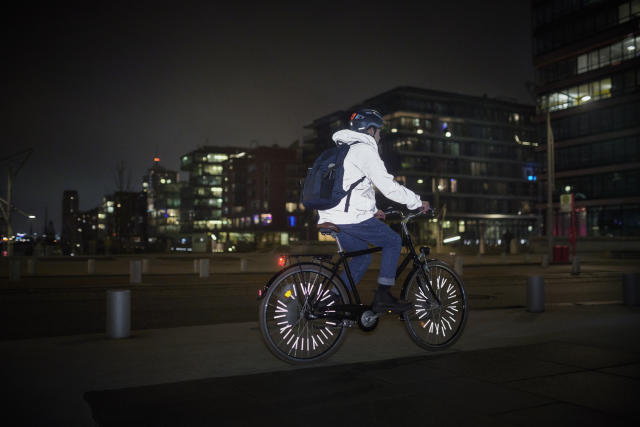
{"type": "Point", "coordinates": [281, 315]}
{"type": "Point", "coordinates": [430, 326]}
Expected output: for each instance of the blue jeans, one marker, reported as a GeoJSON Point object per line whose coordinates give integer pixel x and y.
{"type": "Point", "coordinates": [355, 237]}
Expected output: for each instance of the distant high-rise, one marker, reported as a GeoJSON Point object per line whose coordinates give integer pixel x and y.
{"type": "Point", "coordinates": [262, 193]}
{"type": "Point", "coordinates": [70, 213]}
{"type": "Point", "coordinates": [202, 198]}
{"type": "Point", "coordinates": [587, 61]}
{"type": "Point", "coordinates": [162, 189]}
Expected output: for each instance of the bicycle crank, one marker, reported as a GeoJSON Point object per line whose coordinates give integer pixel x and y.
{"type": "Point", "coordinates": [368, 320]}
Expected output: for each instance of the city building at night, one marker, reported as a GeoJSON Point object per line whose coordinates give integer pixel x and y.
{"type": "Point", "coordinates": [262, 198]}
{"type": "Point", "coordinates": [162, 189]}
{"type": "Point", "coordinates": [79, 228]}
{"type": "Point", "coordinates": [471, 157]}
{"type": "Point", "coordinates": [202, 199]}
{"type": "Point", "coordinates": [122, 222]}
{"type": "Point", "coordinates": [587, 62]}
{"type": "Point", "coordinates": [70, 237]}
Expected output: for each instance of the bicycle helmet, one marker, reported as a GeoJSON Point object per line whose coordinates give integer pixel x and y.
{"type": "Point", "coordinates": [362, 120]}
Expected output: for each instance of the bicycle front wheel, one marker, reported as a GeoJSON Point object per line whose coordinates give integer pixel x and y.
{"type": "Point", "coordinates": [288, 314]}
{"type": "Point", "coordinates": [435, 323]}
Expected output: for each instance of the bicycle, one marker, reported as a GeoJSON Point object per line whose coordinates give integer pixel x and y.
{"type": "Point", "coordinates": [305, 309]}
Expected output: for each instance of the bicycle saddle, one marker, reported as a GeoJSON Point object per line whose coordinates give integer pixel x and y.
{"type": "Point", "coordinates": [328, 227]}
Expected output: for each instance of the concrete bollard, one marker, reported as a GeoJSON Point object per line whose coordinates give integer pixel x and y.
{"type": "Point", "coordinates": [91, 266]}
{"type": "Point", "coordinates": [15, 269]}
{"type": "Point", "coordinates": [243, 265]}
{"type": "Point", "coordinates": [630, 289]}
{"type": "Point", "coordinates": [204, 267]}
{"type": "Point", "coordinates": [135, 271]}
{"type": "Point", "coordinates": [196, 265]}
{"type": "Point", "coordinates": [575, 265]}
{"type": "Point", "coordinates": [513, 247]}
{"type": "Point", "coordinates": [503, 258]}
{"type": "Point", "coordinates": [535, 294]}
{"type": "Point", "coordinates": [31, 266]}
{"type": "Point", "coordinates": [145, 266]}
{"type": "Point", "coordinates": [545, 261]}
{"type": "Point", "coordinates": [118, 313]}
{"type": "Point", "coordinates": [458, 263]}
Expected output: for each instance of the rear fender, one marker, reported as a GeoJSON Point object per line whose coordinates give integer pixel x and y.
{"type": "Point", "coordinates": [263, 291]}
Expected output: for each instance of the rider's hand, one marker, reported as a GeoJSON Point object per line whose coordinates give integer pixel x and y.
{"type": "Point", "coordinates": [380, 215]}
{"type": "Point", "coordinates": [425, 206]}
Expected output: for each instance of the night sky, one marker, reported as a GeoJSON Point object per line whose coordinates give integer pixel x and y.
{"type": "Point", "coordinates": [90, 86]}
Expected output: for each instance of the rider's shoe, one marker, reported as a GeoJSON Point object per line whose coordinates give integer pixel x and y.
{"type": "Point", "coordinates": [384, 302]}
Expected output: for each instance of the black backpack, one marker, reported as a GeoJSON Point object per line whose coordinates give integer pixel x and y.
{"type": "Point", "coordinates": [323, 185]}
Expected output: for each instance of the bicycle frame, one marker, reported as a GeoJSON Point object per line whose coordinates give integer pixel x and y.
{"type": "Point", "coordinates": [411, 256]}
{"type": "Point", "coordinates": [352, 290]}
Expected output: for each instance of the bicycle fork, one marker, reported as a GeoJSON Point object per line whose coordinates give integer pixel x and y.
{"type": "Point", "coordinates": [426, 273]}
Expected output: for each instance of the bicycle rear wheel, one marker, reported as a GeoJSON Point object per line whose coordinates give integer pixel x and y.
{"type": "Point", "coordinates": [433, 325]}
{"type": "Point", "coordinates": [285, 314]}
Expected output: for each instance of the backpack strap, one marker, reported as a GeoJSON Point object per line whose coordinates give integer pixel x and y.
{"type": "Point", "coordinates": [352, 186]}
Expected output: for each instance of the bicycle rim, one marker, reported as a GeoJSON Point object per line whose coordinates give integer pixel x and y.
{"type": "Point", "coordinates": [431, 325]}
{"type": "Point", "coordinates": [287, 332]}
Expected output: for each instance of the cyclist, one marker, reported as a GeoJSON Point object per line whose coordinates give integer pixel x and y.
{"type": "Point", "coordinates": [360, 225]}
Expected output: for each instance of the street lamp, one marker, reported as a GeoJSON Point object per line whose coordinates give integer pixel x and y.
{"type": "Point", "coordinates": [550, 184]}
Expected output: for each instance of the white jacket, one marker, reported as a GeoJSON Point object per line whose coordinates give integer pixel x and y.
{"type": "Point", "coordinates": [363, 160]}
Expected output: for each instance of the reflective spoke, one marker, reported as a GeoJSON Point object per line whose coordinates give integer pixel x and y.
{"type": "Point", "coordinates": [429, 323]}
{"type": "Point", "coordinates": [289, 303]}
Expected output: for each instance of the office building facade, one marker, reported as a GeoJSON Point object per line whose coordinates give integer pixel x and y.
{"type": "Point", "coordinates": [162, 189]}
{"type": "Point", "coordinates": [202, 198]}
{"type": "Point", "coordinates": [262, 194]}
{"type": "Point", "coordinates": [587, 61]}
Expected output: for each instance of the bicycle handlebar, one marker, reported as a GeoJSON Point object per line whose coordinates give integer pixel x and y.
{"type": "Point", "coordinates": [406, 217]}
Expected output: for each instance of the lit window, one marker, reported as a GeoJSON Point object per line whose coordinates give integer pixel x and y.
{"type": "Point", "coordinates": [453, 184]}
{"type": "Point", "coordinates": [290, 206]}
{"type": "Point", "coordinates": [582, 63]}
{"type": "Point", "coordinates": [265, 218]}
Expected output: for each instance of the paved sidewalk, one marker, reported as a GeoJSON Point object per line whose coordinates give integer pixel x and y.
{"type": "Point", "coordinates": [194, 369]}
{"type": "Point", "coordinates": [552, 384]}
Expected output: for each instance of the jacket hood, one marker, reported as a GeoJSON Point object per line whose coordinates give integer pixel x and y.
{"type": "Point", "coordinates": [348, 136]}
